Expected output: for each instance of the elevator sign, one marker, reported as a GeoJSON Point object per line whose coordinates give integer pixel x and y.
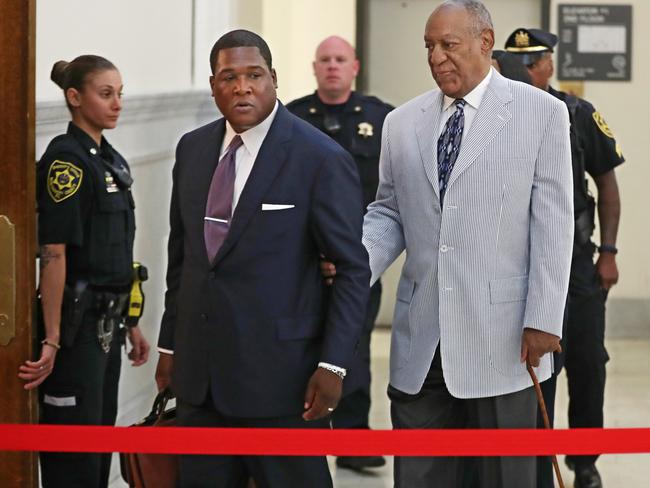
{"type": "Point", "coordinates": [595, 42]}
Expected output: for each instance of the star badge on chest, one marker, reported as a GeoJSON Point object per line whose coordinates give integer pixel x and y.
{"type": "Point", "coordinates": [365, 129]}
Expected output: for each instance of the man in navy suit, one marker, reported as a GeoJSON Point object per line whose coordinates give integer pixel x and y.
{"type": "Point", "coordinates": [249, 336]}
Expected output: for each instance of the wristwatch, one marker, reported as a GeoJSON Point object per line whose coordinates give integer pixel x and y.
{"type": "Point", "coordinates": [610, 248]}
{"type": "Point", "coordinates": [340, 372]}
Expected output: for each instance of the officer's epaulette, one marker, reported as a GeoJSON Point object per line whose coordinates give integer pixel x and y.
{"type": "Point", "coordinates": [377, 101]}
{"type": "Point", "coordinates": [65, 144]}
{"type": "Point", "coordinates": [583, 108]}
{"type": "Point", "coordinates": [586, 106]}
{"type": "Point", "coordinates": [300, 101]}
{"type": "Point", "coordinates": [574, 102]}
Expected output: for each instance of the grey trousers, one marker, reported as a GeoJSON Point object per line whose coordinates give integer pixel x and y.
{"type": "Point", "coordinates": [434, 408]}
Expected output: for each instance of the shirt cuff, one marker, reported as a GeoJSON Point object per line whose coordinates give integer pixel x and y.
{"type": "Point", "coordinates": [334, 369]}
{"type": "Point", "coordinates": [166, 351]}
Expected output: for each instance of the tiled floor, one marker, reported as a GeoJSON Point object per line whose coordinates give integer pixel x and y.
{"type": "Point", "coordinates": [627, 404]}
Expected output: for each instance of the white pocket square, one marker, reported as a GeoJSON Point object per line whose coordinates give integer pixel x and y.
{"type": "Point", "coordinates": [275, 206]}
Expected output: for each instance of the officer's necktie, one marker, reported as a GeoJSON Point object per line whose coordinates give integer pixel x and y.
{"type": "Point", "coordinates": [449, 146]}
{"type": "Point", "coordinates": [218, 210]}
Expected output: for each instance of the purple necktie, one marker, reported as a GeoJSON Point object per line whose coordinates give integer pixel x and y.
{"type": "Point", "coordinates": [218, 210]}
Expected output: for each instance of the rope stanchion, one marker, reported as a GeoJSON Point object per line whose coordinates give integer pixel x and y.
{"type": "Point", "coordinates": [313, 442]}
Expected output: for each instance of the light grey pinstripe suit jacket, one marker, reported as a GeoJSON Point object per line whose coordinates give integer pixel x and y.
{"type": "Point", "coordinates": [496, 259]}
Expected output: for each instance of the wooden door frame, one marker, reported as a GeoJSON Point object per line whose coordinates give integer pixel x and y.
{"type": "Point", "coordinates": [18, 202]}
{"type": "Point", "coordinates": [362, 43]}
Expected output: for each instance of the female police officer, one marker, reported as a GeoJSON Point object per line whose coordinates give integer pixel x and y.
{"type": "Point", "coordinates": [86, 231]}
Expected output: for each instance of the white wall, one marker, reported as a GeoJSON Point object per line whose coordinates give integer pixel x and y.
{"type": "Point", "coordinates": [148, 40]}
{"type": "Point", "coordinates": [159, 46]}
{"type": "Point", "coordinates": [212, 19]}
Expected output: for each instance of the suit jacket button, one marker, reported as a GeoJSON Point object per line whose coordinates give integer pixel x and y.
{"type": "Point", "coordinates": [204, 316]}
{"type": "Point", "coordinates": [213, 275]}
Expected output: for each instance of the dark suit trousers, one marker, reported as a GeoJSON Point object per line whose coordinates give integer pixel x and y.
{"type": "Point", "coordinates": [435, 408]}
{"type": "Point", "coordinates": [545, 473]}
{"type": "Point", "coordinates": [234, 471]}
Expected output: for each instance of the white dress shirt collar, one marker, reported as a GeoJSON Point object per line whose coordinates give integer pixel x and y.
{"type": "Point", "coordinates": [473, 98]}
{"type": "Point", "coordinates": [253, 137]}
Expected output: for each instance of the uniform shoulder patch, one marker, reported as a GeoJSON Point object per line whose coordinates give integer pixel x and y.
{"type": "Point", "coordinates": [619, 150]}
{"type": "Point", "coordinates": [602, 125]}
{"type": "Point", "coordinates": [63, 180]}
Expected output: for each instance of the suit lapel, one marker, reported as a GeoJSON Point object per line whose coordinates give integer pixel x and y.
{"type": "Point", "coordinates": [268, 163]}
{"type": "Point", "coordinates": [427, 124]}
{"type": "Point", "coordinates": [490, 118]}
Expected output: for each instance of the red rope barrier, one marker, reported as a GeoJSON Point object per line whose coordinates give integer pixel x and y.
{"type": "Point", "coordinates": [306, 442]}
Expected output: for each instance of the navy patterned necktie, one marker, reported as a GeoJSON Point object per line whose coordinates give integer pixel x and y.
{"type": "Point", "coordinates": [218, 209]}
{"type": "Point", "coordinates": [449, 146]}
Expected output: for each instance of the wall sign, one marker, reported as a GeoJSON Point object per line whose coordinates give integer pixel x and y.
{"type": "Point", "coordinates": [595, 42]}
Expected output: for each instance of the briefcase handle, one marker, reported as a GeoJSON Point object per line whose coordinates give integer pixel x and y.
{"type": "Point", "coordinates": [159, 406]}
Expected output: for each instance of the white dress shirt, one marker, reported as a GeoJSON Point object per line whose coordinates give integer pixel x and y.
{"type": "Point", "coordinates": [247, 153]}
{"type": "Point", "coordinates": [473, 100]}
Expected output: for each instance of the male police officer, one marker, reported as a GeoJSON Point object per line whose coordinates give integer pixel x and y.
{"type": "Point", "coordinates": [594, 151]}
{"type": "Point", "coordinates": [354, 121]}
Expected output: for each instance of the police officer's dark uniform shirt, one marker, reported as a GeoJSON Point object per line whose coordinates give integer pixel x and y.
{"type": "Point", "coordinates": [601, 154]}
{"type": "Point", "coordinates": [356, 125]}
{"type": "Point", "coordinates": [83, 205]}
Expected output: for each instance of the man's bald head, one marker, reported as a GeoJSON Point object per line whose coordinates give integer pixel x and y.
{"type": "Point", "coordinates": [335, 67]}
{"type": "Point", "coordinates": [335, 42]}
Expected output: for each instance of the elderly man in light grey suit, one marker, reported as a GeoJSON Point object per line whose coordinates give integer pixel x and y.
{"type": "Point", "coordinates": [476, 186]}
